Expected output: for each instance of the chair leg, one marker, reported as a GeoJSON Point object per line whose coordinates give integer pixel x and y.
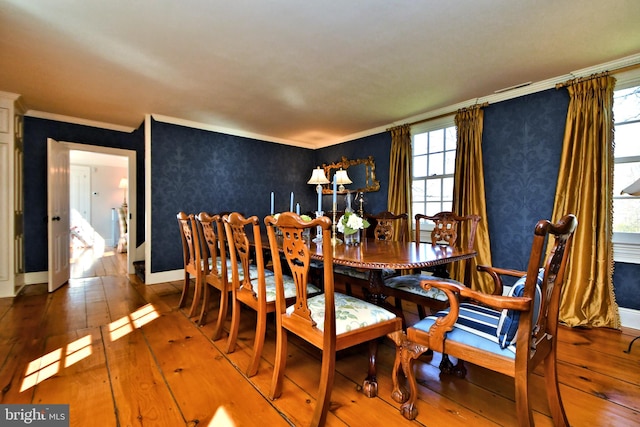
{"type": "Point", "coordinates": [258, 343]}
{"type": "Point", "coordinates": [279, 364]}
{"type": "Point", "coordinates": [222, 315]}
{"type": "Point", "coordinates": [406, 354]}
{"type": "Point", "coordinates": [523, 403]}
{"type": "Point", "coordinates": [370, 384]}
{"type": "Point", "coordinates": [553, 390]}
{"type": "Point", "coordinates": [185, 290]}
{"type": "Point", "coordinates": [204, 311]}
{"type": "Point", "coordinates": [235, 325]}
{"type": "Point", "coordinates": [196, 296]}
{"type": "Point", "coordinates": [327, 374]}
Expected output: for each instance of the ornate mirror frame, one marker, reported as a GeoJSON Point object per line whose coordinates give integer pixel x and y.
{"type": "Point", "coordinates": [362, 173]}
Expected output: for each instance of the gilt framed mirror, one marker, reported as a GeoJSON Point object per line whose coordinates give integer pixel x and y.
{"type": "Point", "coordinates": [362, 173]}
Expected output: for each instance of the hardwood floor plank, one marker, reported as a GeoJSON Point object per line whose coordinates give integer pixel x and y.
{"type": "Point", "coordinates": [82, 379]}
{"type": "Point", "coordinates": [139, 390]}
{"type": "Point", "coordinates": [200, 377]}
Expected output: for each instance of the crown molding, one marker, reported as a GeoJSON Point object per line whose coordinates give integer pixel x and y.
{"type": "Point", "coordinates": [77, 121]}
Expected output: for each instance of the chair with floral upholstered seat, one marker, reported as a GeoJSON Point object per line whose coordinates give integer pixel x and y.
{"type": "Point", "coordinates": [257, 293]}
{"type": "Point", "coordinates": [330, 321]}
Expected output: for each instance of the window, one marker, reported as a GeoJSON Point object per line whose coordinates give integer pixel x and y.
{"type": "Point", "coordinates": [434, 154]}
{"type": "Point", "coordinates": [626, 208]}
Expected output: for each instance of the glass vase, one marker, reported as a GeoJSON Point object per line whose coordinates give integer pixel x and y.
{"type": "Point", "coordinates": [352, 239]}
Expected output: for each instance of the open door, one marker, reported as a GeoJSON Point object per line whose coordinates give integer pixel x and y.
{"type": "Point", "coordinates": [58, 213]}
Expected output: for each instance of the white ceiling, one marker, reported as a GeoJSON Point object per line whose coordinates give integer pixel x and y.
{"type": "Point", "coordinates": [310, 73]}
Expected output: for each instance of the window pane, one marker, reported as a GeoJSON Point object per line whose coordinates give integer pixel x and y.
{"type": "Point", "coordinates": [419, 166]}
{"type": "Point", "coordinates": [626, 104]}
{"type": "Point", "coordinates": [417, 188]}
{"type": "Point", "coordinates": [433, 208]}
{"type": "Point", "coordinates": [450, 136]}
{"type": "Point", "coordinates": [447, 206]}
{"type": "Point", "coordinates": [450, 162]}
{"type": "Point", "coordinates": [436, 140]}
{"type": "Point", "coordinates": [624, 174]}
{"type": "Point", "coordinates": [420, 143]}
{"type": "Point", "coordinates": [417, 208]}
{"type": "Point", "coordinates": [627, 140]}
{"type": "Point", "coordinates": [626, 215]}
{"type": "Point", "coordinates": [447, 189]}
{"type": "Point", "coordinates": [434, 188]}
{"type": "Point", "coordinates": [436, 164]}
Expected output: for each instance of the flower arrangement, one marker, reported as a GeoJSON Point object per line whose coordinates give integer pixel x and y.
{"type": "Point", "coordinates": [350, 222]}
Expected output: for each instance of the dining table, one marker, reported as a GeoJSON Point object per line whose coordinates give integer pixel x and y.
{"type": "Point", "coordinates": [376, 256]}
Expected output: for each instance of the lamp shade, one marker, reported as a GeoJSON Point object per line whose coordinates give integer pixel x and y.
{"type": "Point", "coordinates": [633, 189]}
{"type": "Point", "coordinates": [318, 177]}
{"type": "Point", "coordinates": [124, 183]}
{"type": "Point", "coordinates": [342, 177]}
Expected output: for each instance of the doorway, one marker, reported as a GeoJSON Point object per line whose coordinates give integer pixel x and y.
{"type": "Point", "coordinates": [97, 177]}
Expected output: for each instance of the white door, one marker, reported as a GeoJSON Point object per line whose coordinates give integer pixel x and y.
{"type": "Point", "coordinates": [80, 205]}
{"type": "Point", "coordinates": [58, 213]}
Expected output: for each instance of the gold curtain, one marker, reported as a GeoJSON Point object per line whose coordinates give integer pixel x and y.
{"type": "Point", "coordinates": [399, 196]}
{"type": "Point", "coordinates": [468, 192]}
{"type": "Point", "coordinates": [584, 188]}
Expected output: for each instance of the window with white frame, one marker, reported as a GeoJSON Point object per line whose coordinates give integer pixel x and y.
{"type": "Point", "coordinates": [434, 154]}
{"type": "Point", "coordinates": [626, 208]}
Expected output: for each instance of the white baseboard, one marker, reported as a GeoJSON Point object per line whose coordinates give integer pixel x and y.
{"type": "Point", "coordinates": [630, 318]}
{"type": "Point", "coordinates": [36, 278]}
{"type": "Point", "coordinates": [163, 276]}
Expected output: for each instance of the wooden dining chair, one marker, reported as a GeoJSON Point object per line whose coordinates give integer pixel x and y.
{"type": "Point", "coordinates": [388, 226]}
{"type": "Point", "coordinates": [509, 334]}
{"type": "Point", "coordinates": [254, 290]}
{"type": "Point", "coordinates": [447, 230]}
{"type": "Point", "coordinates": [385, 226]}
{"type": "Point", "coordinates": [330, 321]}
{"type": "Point", "coordinates": [216, 272]}
{"type": "Point", "coordinates": [192, 260]}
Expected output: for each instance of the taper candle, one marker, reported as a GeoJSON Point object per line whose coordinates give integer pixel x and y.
{"type": "Point", "coordinates": [291, 203]}
{"type": "Point", "coordinates": [272, 199]}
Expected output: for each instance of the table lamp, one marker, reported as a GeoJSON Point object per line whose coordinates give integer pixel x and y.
{"type": "Point", "coordinates": [318, 178]}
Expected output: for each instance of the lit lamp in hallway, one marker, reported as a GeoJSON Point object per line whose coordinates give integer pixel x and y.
{"type": "Point", "coordinates": [318, 178]}
{"type": "Point", "coordinates": [124, 184]}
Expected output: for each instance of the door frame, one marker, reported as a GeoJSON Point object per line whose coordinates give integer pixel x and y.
{"type": "Point", "coordinates": [131, 191]}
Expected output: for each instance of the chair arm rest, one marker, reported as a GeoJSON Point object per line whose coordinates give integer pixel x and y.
{"type": "Point", "coordinates": [497, 302]}
{"type": "Point", "coordinates": [496, 273]}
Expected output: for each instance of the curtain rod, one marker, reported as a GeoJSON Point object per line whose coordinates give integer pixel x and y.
{"type": "Point", "coordinates": [604, 73]}
{"type": "Point", "coordinates": [439, 116]}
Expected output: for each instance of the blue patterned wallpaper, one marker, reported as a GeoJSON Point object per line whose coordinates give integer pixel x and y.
{"type": "Point", "coordinates": [521, 147]}
{"type": "Point", "coordinates": [194, 170]}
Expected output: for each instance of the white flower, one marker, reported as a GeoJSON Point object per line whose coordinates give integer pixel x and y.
{"type": "Point", "coordinates": [349, 223]}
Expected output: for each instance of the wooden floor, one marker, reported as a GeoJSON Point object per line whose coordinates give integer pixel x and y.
{"type": "Point", "coordinates": [121, 354]}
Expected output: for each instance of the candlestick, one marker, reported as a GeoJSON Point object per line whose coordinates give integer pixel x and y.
{"type": "Point", "coordinates": [335, 192]}
{"type": "Point", "coordinates": [334, 238]}
{"type": "Point", "coordinates": [272, 200]}
{"type": "Point", "coordinates": [291, 203]}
